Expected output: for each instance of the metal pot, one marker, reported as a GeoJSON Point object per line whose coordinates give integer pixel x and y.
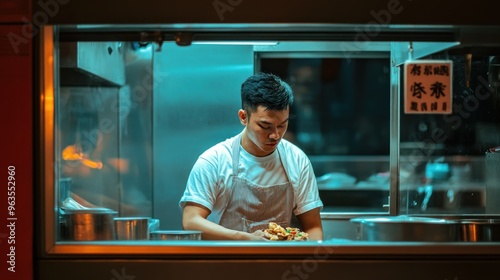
{"type": "Point", "coordinates": [405, 228]}
{"type": "Point", "coordinates": [89, 224]}
{"type": "Point", "coordinates": [480, 230]}
{"type": "Point", "coordinates": [176, 235]}
{"type": "Point", "coordinates": [132, 228]}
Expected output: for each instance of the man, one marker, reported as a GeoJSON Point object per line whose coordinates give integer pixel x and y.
{"type": "Point", "coordinates": [240, 185]}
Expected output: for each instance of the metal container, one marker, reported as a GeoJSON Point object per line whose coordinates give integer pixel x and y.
{"type": "Point", "coordinates": [132, 228]}
{"type": "Point", "coordinates": [480, 230]}
{"type": "Point", "coordinates": [176, 235]}
{"type": "Point", "coordinates": [405, 228]}
{"type": "Point", "coordinates": [89, 224]}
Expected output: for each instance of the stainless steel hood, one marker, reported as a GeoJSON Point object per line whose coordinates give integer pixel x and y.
{"type": "Point", "coordinates": [92, 64]}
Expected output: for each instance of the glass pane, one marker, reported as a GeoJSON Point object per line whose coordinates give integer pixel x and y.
{"type": "Point", "coordinates": [341, 120]}
{"type": "Point", "coordinates": [103, 142]}
{"type": "Point", "coordinates": [445, 158]}
{"type": "Point", "coordinates": [131, 116]}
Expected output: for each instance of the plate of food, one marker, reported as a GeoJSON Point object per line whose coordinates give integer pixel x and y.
{"type": "Point", "coordinates": [276, 232]}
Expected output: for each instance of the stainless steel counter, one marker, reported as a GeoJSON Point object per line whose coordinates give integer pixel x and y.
{"type": "Point", "coordinates": [334, 248]}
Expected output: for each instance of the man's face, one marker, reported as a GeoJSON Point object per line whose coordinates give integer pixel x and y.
{"type": "Point", "coordinates": [264, 130]}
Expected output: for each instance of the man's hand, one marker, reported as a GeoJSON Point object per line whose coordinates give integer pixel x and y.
{"type": "Point", "coordinates": [194, 217]}
{"type": "Point", "coordinates": [258, 235]}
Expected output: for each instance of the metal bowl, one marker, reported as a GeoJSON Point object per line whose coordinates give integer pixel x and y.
{"type": "Point", "coordinates": [406, 228]}
{"type": "Point", "coordinates": [175, 235]}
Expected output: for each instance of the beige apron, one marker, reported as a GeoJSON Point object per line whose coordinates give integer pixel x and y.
{"type": "Point", "coordinates": [251, 207]}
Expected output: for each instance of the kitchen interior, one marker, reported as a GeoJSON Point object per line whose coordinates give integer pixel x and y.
{"type": "Point", "coordinates": [131, 116]}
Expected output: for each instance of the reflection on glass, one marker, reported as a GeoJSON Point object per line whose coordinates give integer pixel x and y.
{"type": "Point", "coordinates": [340, 118]}
{"type": "Point", "coordinates": [103, 140]}
{"type": "Point", "coordinates": [443, 158]}
{"type": "Point", "coordinates": [341, 107]}
{"type": "Point", "coordinates": [104, 130]}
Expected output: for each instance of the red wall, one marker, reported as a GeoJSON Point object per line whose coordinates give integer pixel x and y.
{"type": "Point", "coordinates": [16, 155]}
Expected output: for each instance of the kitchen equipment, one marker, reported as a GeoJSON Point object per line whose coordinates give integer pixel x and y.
{"type": "Point", "coordinates": [492, 179]}
{"type": "Point", "coordinates": [176, 235]}
{"type": "Point", "coordinates": [106, 68]}
{"type": "Point", "coordinates": [406, 228]}
{"type": "Point", "coordinates": [88, 224]}
{"type": "Point", "coordinates": [153, 224]}
{"type": "Point", "coordinates": [132, 228]}
{"type": "Point", "coordinates": [480, 230]}
{"type": "Point", "coordinates": [437, 171]}
{"type": "Point", "coordinates": [64, 189]}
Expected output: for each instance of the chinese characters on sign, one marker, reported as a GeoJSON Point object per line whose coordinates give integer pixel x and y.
{"type": "Point", "coordinates": [428, 87]}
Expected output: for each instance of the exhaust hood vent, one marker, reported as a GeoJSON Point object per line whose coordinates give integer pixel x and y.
{"type": "Point", "coordinates": [91, 64]}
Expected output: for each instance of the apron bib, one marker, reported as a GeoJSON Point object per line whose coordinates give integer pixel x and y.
{"type": "Point", "coordinates": [251, 207]}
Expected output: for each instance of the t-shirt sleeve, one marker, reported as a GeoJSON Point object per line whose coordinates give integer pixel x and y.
{"type": "Point", "coordinates": [201, 185]}
{"type": "Point", "coordinates": [306, 192]}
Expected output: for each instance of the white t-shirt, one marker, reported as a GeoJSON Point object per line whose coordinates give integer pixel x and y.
{"type": "Point", "coordinates": [209, 182]}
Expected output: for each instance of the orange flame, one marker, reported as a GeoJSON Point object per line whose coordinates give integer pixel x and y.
{"type": "Point", "coordinates": [71, 153]}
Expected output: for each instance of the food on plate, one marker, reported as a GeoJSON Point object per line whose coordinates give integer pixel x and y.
{"type": "Point", "coordinates": [278, 233]}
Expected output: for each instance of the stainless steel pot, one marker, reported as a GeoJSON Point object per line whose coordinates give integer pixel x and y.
{"type": "Point", "coordinates": [132, 228]}
{"type": "Point", "coordinates": [480, 230]}
{"type": "Point", "coordinates": [89, 224]}
{"type": "Point", "coordinates": [176, 235]}
{"type": "Point", "coordinates": [405, 228]}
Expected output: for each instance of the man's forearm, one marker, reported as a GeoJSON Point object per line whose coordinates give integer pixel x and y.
{"type": "Point", "coordinates": [315, 234]}
{"type": "Point", "coordinates": [213, 231]}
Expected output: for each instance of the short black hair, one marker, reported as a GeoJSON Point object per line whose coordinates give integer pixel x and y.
{"type": "Point", "coordinates": [265, 89]}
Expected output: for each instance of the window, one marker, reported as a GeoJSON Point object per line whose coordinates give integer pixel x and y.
{"type": "Point", "coordinates": [340, 118]}
{"type": "Point", "coordinates": [446, 166]}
